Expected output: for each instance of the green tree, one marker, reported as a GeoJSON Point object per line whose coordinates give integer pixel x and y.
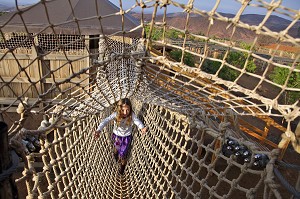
{"type": "Point", "coordinates": [246, 46]}
{"type": "Point", "coordinates": [156, 33]}
{"type": "Point", "coordinates": [210, 67]}
{"type": "Point", "coordinates": [225, 73]}
{"type": "Point", "coordinates": [238, 59]}
{"type": "Point", "coordinates": [228, 73]}
{"type": "Point", "coordinates": [251, 67]}
{"type": "Point", "coordinates": [188, 58]}
{"type": "Point", "coordinates": [174, 34]}
{"type": "Point", "coordinates": [280, 75]}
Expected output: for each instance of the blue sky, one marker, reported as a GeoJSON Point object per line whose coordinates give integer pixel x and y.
{"type": "Point", "coordinates": [226, 6]}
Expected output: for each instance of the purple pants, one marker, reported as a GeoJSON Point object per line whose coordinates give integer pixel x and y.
{"type": "Point", "coordinates": [122, 144]}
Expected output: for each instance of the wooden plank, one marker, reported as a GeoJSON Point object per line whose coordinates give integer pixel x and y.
{"type": "Point", "coordinates": [8, 101]}
{"type": "Point", "coordinates": [257, 136]}
{"type": "Point", "coordinates": [14, 109]}
{"type": "Point", "coordinates": [9, 56]}
{"type": "Point", "coordinates": [18, 56]}
{"type": "Point", "coordinates": [47, 80]}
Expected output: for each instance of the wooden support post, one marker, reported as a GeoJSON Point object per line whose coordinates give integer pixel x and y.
{"type": "Point", "coordinates": [297, 186]}
{"type": "Point", "coordinates": [200, 149]}
{"type": "Point", "coordinates": [6, 188]}
{"type": "Point", "coordinates": [1, 115]}
{"type": "Point", "coordinates": [265, 133]}
{"type": "Point", "coordinates": [215, 54]}
{"type": "Point", "coordinates": [217, 145]}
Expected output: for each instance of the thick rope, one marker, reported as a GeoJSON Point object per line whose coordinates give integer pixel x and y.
{"type": "Point", "coordinates": [287, 185]}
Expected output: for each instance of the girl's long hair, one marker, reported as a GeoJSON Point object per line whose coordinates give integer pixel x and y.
{"type": "Point", "coordinates": [122, 102]}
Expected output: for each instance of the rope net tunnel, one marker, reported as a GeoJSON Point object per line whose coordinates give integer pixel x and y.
{"type": "Point", "coordinates": [221, 104]}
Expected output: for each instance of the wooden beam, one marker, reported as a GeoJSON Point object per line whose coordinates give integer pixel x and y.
{"type": "Point", "coordinates": [13, 101]}
{"type": "Point", "coordinates": [13, 109]}
{"type": "Point", "coordinates": [46, 80]}
{"type": "Point", "coordinates": [46, 57]}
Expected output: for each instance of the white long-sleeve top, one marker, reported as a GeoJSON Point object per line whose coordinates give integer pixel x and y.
{"type": "Point", "coordinates": [123, 129]}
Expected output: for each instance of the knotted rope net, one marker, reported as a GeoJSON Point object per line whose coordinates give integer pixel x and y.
{"type": "Point", "coordinates": [212, 103]}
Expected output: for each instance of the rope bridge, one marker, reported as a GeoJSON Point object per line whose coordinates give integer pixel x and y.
{"type": "Point", "coordinates": [217, 112]}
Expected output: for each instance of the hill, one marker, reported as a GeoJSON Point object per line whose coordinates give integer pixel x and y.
{"type": "Point", "coordinates": [4, 7]}
{"type": "Point", "coordinates": [199, 25]}
{"type": "Point", "coordinates": [9, 7]}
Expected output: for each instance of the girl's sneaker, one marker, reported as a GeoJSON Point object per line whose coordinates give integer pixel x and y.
{"type": "Point", "coordinates": [116, 156]}
{"type": "Point", "coordinates": [122, 169]}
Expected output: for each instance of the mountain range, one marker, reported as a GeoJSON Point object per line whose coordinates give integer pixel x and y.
{"type": "Point", "coordinates": [8, 8]}
{"type": "Point", "coordinates": [4, 7]}
{"type": "Point", "coordinates": [198, 24]}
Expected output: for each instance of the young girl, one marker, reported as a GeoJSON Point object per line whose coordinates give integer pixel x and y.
{"type": "Point", "coordinates": [124, 118]}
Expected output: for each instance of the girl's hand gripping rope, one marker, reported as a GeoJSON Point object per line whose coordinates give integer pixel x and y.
{"type": "Point", "coordinates": [144, 130]}
{"type": "Point", "coordinates": [96, 134]}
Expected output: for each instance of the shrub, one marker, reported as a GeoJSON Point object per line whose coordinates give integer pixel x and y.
{"type": "Point", "coordinates": [279, 76]}
{"type": "Point", "coordinates": [188, 58]}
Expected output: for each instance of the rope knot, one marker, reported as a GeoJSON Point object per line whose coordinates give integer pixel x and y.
{"type": "Point", "coordinates": [22, 106]}
{"type": "Point", "coordinates": [223, 126]}
{"type": "Point", "coordinates": [164, 3]}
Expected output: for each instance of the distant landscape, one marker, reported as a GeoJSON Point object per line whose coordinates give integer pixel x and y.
{"type": "Point", "coordinates": [199, 25]}
{"type": "Point", "coordinates": [8, 8]}
{"type": "Point", "coordinates": [4, 7]}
